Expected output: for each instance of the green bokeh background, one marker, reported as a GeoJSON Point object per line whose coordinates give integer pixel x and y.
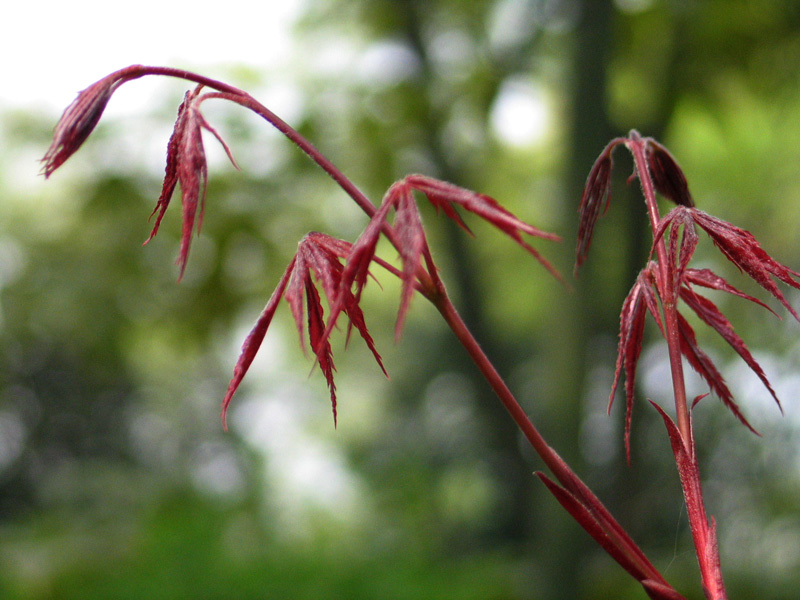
{"type": "Point", "coordinates": [116, 479]}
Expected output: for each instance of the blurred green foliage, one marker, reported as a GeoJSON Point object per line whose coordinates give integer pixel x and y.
{"type": "Point", "coordinates": [116, 480]}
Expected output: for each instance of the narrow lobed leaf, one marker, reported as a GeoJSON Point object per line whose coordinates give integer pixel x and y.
{"type": "Point", "coordinates": [705, 367]}
{"type": "Point", "coordinates": [253, 341]}
{"type": "Point", "coordinates": [186, 164]}
{"type": "Point", "coordinates": [444, 195]}
{"type": "Point", "coordinates": [595, 199]}
{"type": "Point", "coordinates": [193, 177]}
{"type": "Point", "coordinates": [741, 248]}
{"type": "Point", "coordinates": [639, 301]}
{"type": "Point", "coordinates": [713, 317]}
{"type": "Point", "coordinates": [173, 159]}
{"type": "Point", "coordinates": [320, 344]}
{"type": "Point", "coordinates": [708, 279]}
{"type": "Point", "coordinates": [411, 237]}
{"type": "Point", "coordinates": [318, 257]}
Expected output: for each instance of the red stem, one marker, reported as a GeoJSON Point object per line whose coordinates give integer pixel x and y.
{"type": "Point", "coordinates": [703, 534]}
{"type": "Point", "coordinates": [431, 286]}
{"type": "Point", "coordinates": [637, 562]}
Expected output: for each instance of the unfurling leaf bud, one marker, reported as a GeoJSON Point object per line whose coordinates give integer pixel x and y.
{"type": "Point", "coordinates": [81, 117]}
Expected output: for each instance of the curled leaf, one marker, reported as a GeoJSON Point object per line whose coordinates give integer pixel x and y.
{"type": "Point", "coordinates": [668, 178]}
{"type": "Point", "coordinates": [596, 197]}
{"type": "Point", "coordinates": [81, 117]}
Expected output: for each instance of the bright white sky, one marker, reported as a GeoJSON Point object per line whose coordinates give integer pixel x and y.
{"type": "Point", "coordinates": [51, 49]}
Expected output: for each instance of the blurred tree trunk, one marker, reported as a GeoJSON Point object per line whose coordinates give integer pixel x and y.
{"type": "Point", "coordinates": [512, 470]}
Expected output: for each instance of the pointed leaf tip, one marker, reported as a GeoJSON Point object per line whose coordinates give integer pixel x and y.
{"type": "Point", "coordinates": [446, 196]}
{"type": "Point", "coordinates": [594, 200]}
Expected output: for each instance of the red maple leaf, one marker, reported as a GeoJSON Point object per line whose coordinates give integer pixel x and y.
{"type": "Point", "coordinates": [186, 164]}
{"type": "Point", "coordinates": [408, 234]}
{"type": "Point", "coordinates": [318, 260]}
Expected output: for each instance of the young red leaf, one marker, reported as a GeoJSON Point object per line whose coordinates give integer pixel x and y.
{"type": "Point", "coordinates": [81, 117]}
{"type": "Point", "coordinates": [702, 531]}
{"type": "Point", "coordinates": [186, 164]}
{"type": "Point", "coordinates": [741, 248]}
{"type": "Point", "coordinates": [321, 345]}
{"type": "Point", "coordinates": [444, 195]}
{"type": "Point", "coordinates": [411, 237]}
{"type": "Point", "coordinates": [667, 176]}
{"type": "Point", "coordinates": [171, 169]}
{"type": "Point", "coordinates": [708, 279]}
{"type": "Point", "coordinates": [705, 367]}
{"type": "Point", "coordinates": [590, 513]}
{"type": "Point", "coordinates": [596, 198]}
{"type": "Point", "coordinates": [318, 257]}
{"type": "Point", "coordinates": [253, 341]}
{"type": "Point", "coordinates": [639, 301]}
{"type": "Point", "coordinates": [711, 315]}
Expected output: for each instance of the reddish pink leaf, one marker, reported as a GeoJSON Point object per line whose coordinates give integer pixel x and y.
{"type": "Point", "coordinates": [173, 158]}
{"type": "Point", "coordinates": [193, 176]}
{"type": "Point", "coordinates": [411, 237]}
{"type": "Point", "coordinates": [595, 519]}
{"type": "Point", "coordinates": [444, 195]}
{"type": "Point", "coordinates": [705, 367]}
{"type": "Point", "coordinates": [318, 258]}
{"type": "Point", "coordinates": [689, 472]}
{"type": "Point", "coordinates": [741, 248]}
{"type": "Point", "coordinates": [81, 117]}
{"type": "Point", "coordinates": [186, 163]}
{"type": "Point", "coordinates": [639, 301]}
{"type": "Point", "coordinates": [253, 341]}
{"type": "Point", "coordinates": [712, 316]}
{"type": "Point", "coordinates": [708, 279]}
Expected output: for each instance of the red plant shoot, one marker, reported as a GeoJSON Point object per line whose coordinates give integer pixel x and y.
{"type": "Point", "coordinates": [658, 289]}
{"type": "Point", "coordinates": [333, 272]}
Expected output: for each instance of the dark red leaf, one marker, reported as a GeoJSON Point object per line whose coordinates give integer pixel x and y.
{"type": "Point", "coordinates": [318, 258]}
{"type": "Point", "coordinates": [705, 367]}
{"type": "Point", "coordinates": [708, 279]}
{"type": "Point", "coordinates": [186, 164]}
{"type": "Point", "coordinates": [596, 197]}
{"type": "Point", "coordinates": [741, 248]}
{"type": "Point", "coordinates": [667, 176]}
{"type": "Point", "coordinates": [173, 158]}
